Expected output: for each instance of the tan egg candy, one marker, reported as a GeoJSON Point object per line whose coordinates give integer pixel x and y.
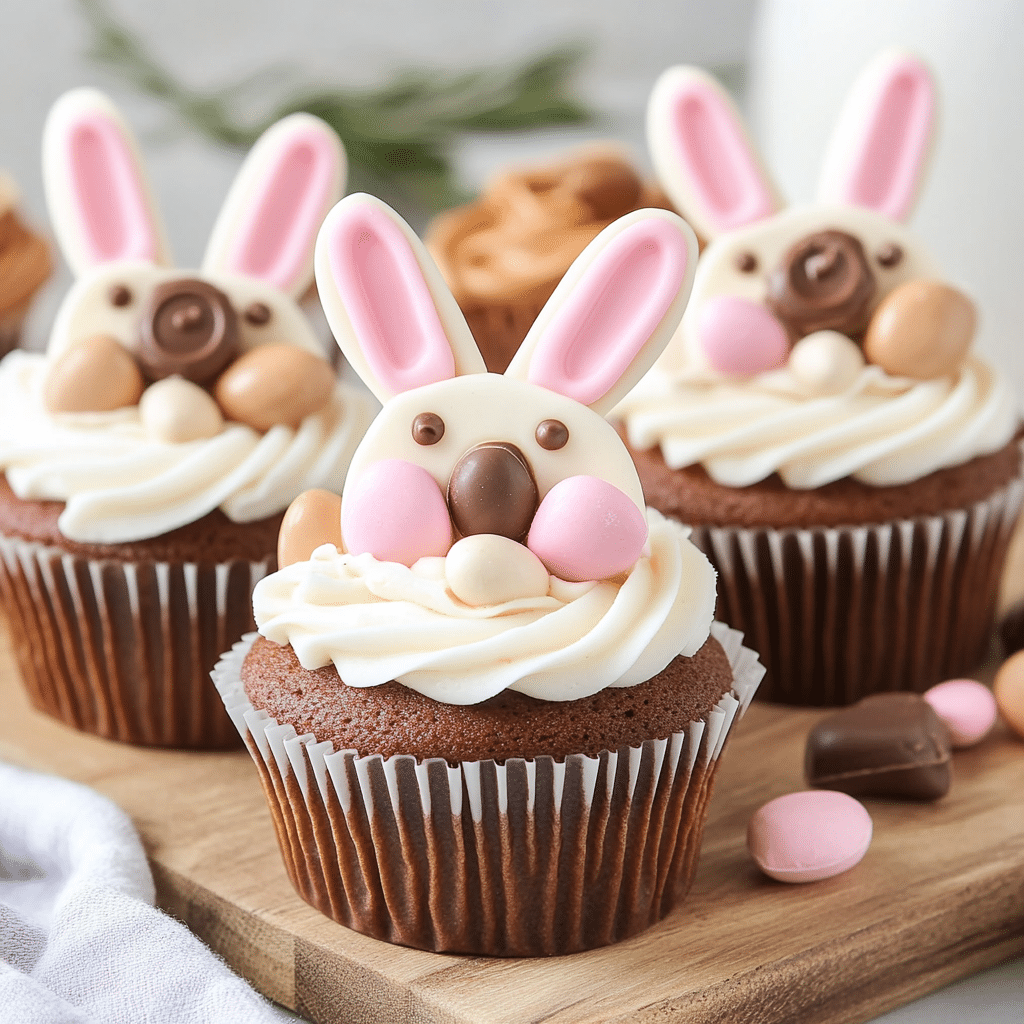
{"type": "Point", "coordinates": [922, 329]}
{"type": "Point", "coordinates": [312, 519]}
{"type": "Point", "coordinates": [175, 410]}
{"type": "Point", "coordinates": [95, 375]}
{"type": "Point", "coordinates": [1008, 688]}
{"type": "Point", "coordinates": [488, 569]}
{"type": "Point", "coordinates": [274, 384]}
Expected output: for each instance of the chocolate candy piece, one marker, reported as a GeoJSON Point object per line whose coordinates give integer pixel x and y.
{"type": "Point", "coordinates": [889, 744]}
{"type": "Point", "coordinates": [189, 328]}
{"type": "Point", "coordinates": [492, 490]}
{"type": "Point", "coordinates": [552, 435]}
{"type": "Point", "coordinates": [94, 375]}
{"type": "Point", "coordinates": [824, 283]}
{"type": "Point", "coordinates": [427, 428]}
{"type": "Point", "coordinates": [922, 329]}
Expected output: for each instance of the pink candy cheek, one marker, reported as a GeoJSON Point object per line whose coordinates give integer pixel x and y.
{"type": "Point", "coordinates": [397, 513]}
{"type": "Point", "coordinates": [967, 708]}
{"type": "Point", "coordinates": [587, 529]}
{"type": "Point", "coordinates": [740, 337]}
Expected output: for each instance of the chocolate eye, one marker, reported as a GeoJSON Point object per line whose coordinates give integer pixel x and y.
{"type": "Point", "coordinates": [119, 295]}
{"type": "Point", "coordinates": [552, 434]}
{"type": "Point", "coordinates": [889, 255]}
{"type": "Point", "coordinates": [257, 313]}
{"type": "Point", "coordinates": [427, 428]}
{"type": "Point", "coordinates": [746, 262]}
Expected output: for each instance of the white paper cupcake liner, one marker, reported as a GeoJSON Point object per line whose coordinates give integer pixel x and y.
{"type": "Point", "coordinates": [124, 650]}
{"type": "Point", "coordinates": [526, 858]}
{"type": "Point", "coordinates": [840, 613]}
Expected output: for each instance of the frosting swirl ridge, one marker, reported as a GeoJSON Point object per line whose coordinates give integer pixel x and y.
{"type": "Point", "coordinates": [379, 621]}
{"type": "Point", "coordinates": [881, 429]}
{"type": "Point", "coordinates": [119, 484]}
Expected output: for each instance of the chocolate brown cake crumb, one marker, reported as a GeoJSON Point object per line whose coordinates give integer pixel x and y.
{"type": "Point", "coordinates": [692, 497]}
{"type": "Point", "coordinates": [393, 719]}
{"type": "Point", "coordinates": [212, 539]}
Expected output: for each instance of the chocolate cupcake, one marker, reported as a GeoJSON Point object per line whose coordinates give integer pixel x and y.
{"type": "Point", "coordinates": [851, 467]}
{"type": "Point", "coordinates": [503, 254]}
{"type": "Point", "coordinates": [489, 699]}
{"type": "Point", "coordinates": [24, 266]}
{"type": "Point", "coordinates": [148, 456]}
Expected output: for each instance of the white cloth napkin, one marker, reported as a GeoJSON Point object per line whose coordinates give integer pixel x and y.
{"type": "Point", "coordinates": [80, 940]}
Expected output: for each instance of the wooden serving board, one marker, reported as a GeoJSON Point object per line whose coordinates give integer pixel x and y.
{"type": "Point", "coordinates": [939, 895]}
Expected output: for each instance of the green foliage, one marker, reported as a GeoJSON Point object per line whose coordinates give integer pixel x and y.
{"type": "Point", "coordinates": [398, 137]}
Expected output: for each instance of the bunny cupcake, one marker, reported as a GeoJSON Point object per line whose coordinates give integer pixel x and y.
{"type": "Point", "coordinates": [848, 463]}
{"type": "Point", "coordinates": [150, 453]}
{"type": "Point", "coordinates": [489, 699]}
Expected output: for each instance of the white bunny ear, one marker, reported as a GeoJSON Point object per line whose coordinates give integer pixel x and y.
{"type": "Point", "coordinates": [386, 302]}
{"type": "Point", "coordinates": [613, 312]}
{"type": "Point", "coordinates": [880, 144]}
{"type": "Point", "coordinates": [703, 156]}
{"type": "Point", "coordinates": [99, 199]}
{"type": "Point", "coordinates": [267, 227]}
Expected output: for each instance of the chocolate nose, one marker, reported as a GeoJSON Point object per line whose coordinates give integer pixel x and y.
{"type": "Point", "coordinates": [823, 283]}
{"type": "Point", "coordinates": [189, 328]}
{"type": "Point", "coordinates": [492, 490]}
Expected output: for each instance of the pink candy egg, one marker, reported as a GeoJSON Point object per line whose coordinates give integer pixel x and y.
{"type": "Point", "coordinates": [967, 708]}
{"type": "Point", "coordinates": [396, 512]}
{"type": "Point", "coordinates": [740, 337]}
{"type": "Point", "coordinates": [808, 836]}
{"type": "Point", "coordinates": [587, 529]}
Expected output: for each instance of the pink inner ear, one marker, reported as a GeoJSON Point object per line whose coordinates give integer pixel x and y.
{"type": "Point", "coordinates": [612, 313]}
{"type": "Point", "coordinates": [381, 285]}
{"type": "Point", "coordinates": [275, 238]}
{"type": "Point", "coordinates": [713, 148]}
{"type": "Point", "coordinates": [108, 193]}
{"type": "Point", "coordinates": [896, 135]}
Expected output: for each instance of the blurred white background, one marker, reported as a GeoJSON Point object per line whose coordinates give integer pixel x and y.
{"type": "Point", "coordinates": [801, 57]}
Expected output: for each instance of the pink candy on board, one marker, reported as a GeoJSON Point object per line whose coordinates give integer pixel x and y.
{"type": "Point", "coordinates": [808, 836]}
{"type": "Point", "coordinates": [396, 512]}
{"type": "Point", "coordinates": [967, 708]}
{"type": "Point", "coordinates": [587, 529]}
{"type": "Point", "coordinates": [741, 337]}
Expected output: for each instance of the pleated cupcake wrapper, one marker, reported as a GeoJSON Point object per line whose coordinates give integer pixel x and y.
{"type": "Point", "coordinates": [526, 858]}
{"type": "Point", "coordinates": [837, 614]}
{"type": "Point", "coordinates": [124, 650]}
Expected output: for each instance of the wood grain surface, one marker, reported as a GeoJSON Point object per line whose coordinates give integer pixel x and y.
{"type": "Point", "coordinates": [939, 895]}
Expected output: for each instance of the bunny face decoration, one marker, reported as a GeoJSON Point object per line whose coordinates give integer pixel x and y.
{"type": "Point", "coordinates": [195, 347]}
{"type": "Point", "coordinates": [824, 288]}
{"type": "Point", "coordinates": [521, 466]}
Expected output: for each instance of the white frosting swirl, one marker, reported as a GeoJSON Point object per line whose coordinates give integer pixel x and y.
{"type": "Point", "coordinates": [120, 484]}
{"type": "Point", "coordinates": [378, 621]}
{"type": "Point", "coordinates": [882, 430]}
